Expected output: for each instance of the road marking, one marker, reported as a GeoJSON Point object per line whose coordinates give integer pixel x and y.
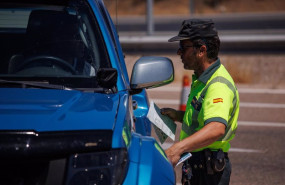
{"type": "Point", "coordinates": [242, 104]}
{"type": "Point", "coordinates": [166, 101]}
{"type": "Point", "coordinates": [167, 89]}
{"type": "Point", "coordinates": [260, 124]}
{"type": "Point", "coordinates": [262, 105]}
{"type": "Point", "coordinates": [240, 90]}
{"type": "Point", "coordinates": [241, 150]}
{"type": "Point", "coordinates": [261, 91]}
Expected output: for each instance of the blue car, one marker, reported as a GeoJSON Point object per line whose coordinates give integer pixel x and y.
{"type": "Point", "coordinates": [68, 112]}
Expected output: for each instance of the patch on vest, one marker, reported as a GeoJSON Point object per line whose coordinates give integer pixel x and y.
{"type": "Point", "coordinates": [217, 100]}
{"type": "Point", "coordinates": [196, 104]}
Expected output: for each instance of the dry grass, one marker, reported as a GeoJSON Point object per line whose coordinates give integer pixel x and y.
{"type": "Point", "coordinates": [182, 7]}
{"type": "Point", "coordinates": [256, 69]}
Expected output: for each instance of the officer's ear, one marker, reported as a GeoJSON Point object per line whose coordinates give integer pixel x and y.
{"type": "Point", "coordinates": [203, 51]}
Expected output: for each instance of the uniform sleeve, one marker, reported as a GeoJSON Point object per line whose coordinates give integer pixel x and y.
{"type": "Point", "coordinates": [217, 104]}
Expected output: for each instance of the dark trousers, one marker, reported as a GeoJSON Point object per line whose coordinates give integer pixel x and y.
{"type": "Point", "coordinates": [199, 175]}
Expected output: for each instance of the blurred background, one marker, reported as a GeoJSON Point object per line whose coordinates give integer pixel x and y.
{"type": "Point", "coordinates": [183, 7]}
{"type": "Point", "coordinates": [252, 34]}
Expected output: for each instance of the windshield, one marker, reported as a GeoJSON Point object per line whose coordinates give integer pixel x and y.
{"type": "Point", "coordinates": [48, 42]}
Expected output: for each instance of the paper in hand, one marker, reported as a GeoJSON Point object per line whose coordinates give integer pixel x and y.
{"type": "Point", "coordinates": [163, 125]}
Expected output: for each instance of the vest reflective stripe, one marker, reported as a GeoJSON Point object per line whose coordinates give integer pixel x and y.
{"type": "Point", "coordinates": [194, 125]}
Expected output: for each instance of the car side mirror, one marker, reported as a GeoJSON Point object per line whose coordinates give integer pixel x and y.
{"type": "Point", "coordinates": [151, 71]}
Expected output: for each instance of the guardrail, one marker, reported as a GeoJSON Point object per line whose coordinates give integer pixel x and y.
{"type": "Point", "coordinates": [230, 43]}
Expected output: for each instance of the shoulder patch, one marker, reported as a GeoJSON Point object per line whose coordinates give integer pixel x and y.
{"type": "Point", "coordinates": [217, 100]}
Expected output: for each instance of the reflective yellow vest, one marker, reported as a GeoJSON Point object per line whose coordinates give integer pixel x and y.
{"type": "Point", "coordinates": [213, 98]}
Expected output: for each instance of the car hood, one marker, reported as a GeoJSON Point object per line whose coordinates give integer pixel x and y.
{"type": "Point", "coordinates": [56, 110]}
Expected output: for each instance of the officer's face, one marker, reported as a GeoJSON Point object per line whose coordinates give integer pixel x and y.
{"type": "Point", "coordinates": [188, 55]}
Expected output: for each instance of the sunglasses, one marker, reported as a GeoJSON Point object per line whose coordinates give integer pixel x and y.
{"type": "Point", "coordinates": [183, 48]}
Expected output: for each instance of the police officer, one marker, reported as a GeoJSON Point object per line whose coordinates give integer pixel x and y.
{"type": "Point", "coordinates": [210, 119]}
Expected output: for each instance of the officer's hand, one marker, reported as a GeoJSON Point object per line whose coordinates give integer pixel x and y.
{"type": "Point", "coordinates": [172, 114]}
{"type": "Point", "coordinates": [173, 155]}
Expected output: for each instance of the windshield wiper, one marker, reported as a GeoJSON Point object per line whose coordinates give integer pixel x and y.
{"type": "Point", "coordinates": [44, 84]}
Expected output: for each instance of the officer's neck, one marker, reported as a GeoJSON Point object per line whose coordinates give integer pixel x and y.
{"type": "Point", "coordinates": [205, 64]}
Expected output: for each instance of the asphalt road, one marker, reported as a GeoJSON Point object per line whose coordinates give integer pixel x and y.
{"type": "Point", "coordinates": [257, 150]}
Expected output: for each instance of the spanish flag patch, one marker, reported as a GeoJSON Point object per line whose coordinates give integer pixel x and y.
{"type": "Point", "coordinates": [217, 100]}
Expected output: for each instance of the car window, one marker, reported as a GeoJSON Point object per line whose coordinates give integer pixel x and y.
{"type": "Point", "coordinates": [50, 41]}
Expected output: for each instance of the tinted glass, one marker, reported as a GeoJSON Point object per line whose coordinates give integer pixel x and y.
{"type": "Point", "coordinates": [39, 40]}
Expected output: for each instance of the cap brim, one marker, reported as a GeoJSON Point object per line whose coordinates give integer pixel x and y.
{"type": "Point", "coordinates": [177, 38]}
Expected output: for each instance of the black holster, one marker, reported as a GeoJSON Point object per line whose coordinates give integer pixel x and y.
{"type": "Point", "coordinates": [215, 161]}
{"type": "Point", "coordinates": [218, 162]}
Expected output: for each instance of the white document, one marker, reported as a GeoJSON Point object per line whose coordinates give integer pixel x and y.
{"type": "Point", "coordinates": [164, 123]}
{"type": "Point", "coordinates": [183, 158]}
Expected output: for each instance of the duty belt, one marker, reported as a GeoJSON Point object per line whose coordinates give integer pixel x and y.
{"type": "Point", "coordinates": [212, 161]}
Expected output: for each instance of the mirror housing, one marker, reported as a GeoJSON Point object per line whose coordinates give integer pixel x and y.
{"type": "Point", "coordinates": [151, 71]}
